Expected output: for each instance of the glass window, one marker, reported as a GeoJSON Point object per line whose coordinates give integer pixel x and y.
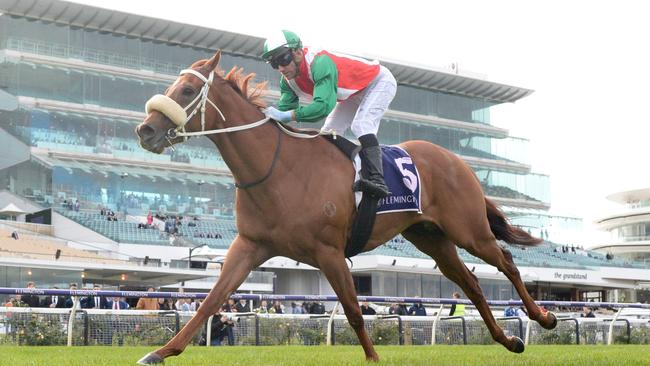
{"type": "Point", "coordinates": [408, 285]}
{"type": "Point", "coordinates": [384, 284]}
{"type": "Point", "coordinates": [422, 101]}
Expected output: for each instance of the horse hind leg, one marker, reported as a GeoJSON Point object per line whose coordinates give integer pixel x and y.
{"type": "Point", "coordinates": [443, 251]}
{"type": "Point", "coordinates": [479, 240]}
{"type": "Point", "coordinates": [492, 253]}
{"type": "Point", "coordinates": [505, 264]}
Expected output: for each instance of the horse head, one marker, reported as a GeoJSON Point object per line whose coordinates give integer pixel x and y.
{"type": "Point", "coordinates": [187, 105]}
{"type": "Point", "coordinates": [183, 107]}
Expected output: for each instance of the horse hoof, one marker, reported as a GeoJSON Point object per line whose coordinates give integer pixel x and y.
{"type": "Point", "coordinates": [553, 323]}
{"type": "Point", "coordinates": [374, 358]}
{"type": "Point", "coordinates": [151, 358]}
{"type": "Point", "coordinates": [518, 345]}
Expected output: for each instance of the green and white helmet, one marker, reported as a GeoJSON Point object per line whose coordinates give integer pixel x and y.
{"type": "Point", "coordinates": [279, 40]}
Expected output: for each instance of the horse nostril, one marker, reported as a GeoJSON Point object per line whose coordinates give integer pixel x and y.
{"type": "Point", "coordinates": [146, 131]}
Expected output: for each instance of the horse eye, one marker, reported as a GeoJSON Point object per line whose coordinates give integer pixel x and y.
{"type": "Point", "coordinates": [188, 92]}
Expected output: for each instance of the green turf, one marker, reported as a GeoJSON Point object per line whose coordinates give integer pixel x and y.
{"type": "Point", "coordinates": [619, 355]}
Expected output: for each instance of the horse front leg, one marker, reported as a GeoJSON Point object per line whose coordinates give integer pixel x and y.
{"type": "Point", "coordinates": [242, 257]}
{"type": "Point", "coordinates": [335, 268]}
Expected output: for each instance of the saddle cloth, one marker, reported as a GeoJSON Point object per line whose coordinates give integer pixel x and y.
{"type": "Point", "coordinates": [402, 178]}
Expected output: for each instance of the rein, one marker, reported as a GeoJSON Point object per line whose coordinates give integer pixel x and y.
{"type": "Point", "coordinates": [268, 174]}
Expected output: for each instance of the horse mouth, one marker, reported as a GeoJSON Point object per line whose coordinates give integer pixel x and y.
{"type": "Point", "coordinates": [154, 148]}
{"type": "Point", "coordinates": [151, 139]}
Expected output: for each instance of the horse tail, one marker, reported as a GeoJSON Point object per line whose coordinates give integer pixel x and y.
{"type": "Point", "coordinates": [502, 229]}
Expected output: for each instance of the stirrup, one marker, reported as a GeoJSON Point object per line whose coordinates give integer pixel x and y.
{"type": "Point", "coordinates": [372, 188]}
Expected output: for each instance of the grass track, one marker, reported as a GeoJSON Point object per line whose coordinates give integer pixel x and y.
{"type": "Point", "coordinates": [620, 355]}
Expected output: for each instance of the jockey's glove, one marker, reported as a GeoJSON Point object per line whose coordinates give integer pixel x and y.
{"type": "Point", "coordinates": [279, 115]}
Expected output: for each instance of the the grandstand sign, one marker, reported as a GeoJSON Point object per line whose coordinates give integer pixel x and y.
{"type": "Point", "coordinates": [570, 276]}
{"type": "Point", "coordinates": [566, 275]}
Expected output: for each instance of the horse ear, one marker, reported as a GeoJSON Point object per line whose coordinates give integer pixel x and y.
{"type": "Point", "coordinates": [214, 61]}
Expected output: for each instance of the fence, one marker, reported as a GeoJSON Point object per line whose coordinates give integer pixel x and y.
{"type": "Point", "coordinates": [45, 326]}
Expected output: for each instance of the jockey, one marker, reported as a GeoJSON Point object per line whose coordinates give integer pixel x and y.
{"type": "Point", "coordinates": [363, 90]}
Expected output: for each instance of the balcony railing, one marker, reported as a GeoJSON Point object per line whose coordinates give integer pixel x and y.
{"type": "Point", "coordinates": [92, 55]}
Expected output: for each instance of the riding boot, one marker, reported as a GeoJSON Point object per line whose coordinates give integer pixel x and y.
{"type": "Point", "coordinates": [375, 184]}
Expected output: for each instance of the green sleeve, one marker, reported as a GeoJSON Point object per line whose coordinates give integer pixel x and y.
{"type": "Point", "coordinates": [325, 76]}
{"type": "Point", "coordinates": [288, 99]}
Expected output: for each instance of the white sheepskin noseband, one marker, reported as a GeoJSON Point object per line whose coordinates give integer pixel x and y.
{"type": "Point", "coordinates": [168, 107]}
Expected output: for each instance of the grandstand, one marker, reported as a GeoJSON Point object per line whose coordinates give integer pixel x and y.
{"type": "Point", "coordinates": [73, 83]}
{"type": "Point", "coordinates": [628, 227]}
{"type": "Point", "coordinates": [547, 255]}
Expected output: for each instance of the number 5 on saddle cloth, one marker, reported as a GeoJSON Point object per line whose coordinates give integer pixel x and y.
{"type": "Point", "coordinates": [403, 180]}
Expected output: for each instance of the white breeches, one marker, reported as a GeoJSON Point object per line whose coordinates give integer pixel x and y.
{"type": "Point", "coordinates": [363, 111]}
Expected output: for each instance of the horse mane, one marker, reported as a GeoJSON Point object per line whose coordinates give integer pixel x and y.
{"type": "Point", "coordinates": [242, 84]}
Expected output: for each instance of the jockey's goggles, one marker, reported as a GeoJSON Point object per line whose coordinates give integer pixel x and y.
{"type": "Point", "coordinates": [282, 59]}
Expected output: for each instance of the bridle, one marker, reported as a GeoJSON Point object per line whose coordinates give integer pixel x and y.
{"type": "Point", "coordinates": [179, 116]}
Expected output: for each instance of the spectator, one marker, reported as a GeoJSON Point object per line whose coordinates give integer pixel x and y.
{"type": "Point", "coordinates": [587, 312]}
{"type": "Point", "coordinates": [54, 301]}
{"type": "Point", "coordinates": [296, 309]}
{"type": "Point", "coordinates": [164, 304]}
{"type": "Point", "coordinates": [11, 303]}
{"type": "Point", "coordinates": [397, 309]}
{"type": "Point", "coordinates": [194, 304]}
{"type": "Point", "coordinates": [31, 300]}
{"type": "Point", "coordinates": [317, 308]}
{"type": "Point", "coordinates": [148, 303]}
{"type": "Point", "coordinates": [117, 304]}
{"type": "Point", "coordinates": [305, 307]}
{"type": "Point", "coordinates": [242, 307]}
{"type": "Point", "coordinates": [417, 309]}
{"type": "Point", "coordinates": [14, 235]}
{"type": "Point", "coordinates": [95, 302]}
{"type": "Point", "coordinates": [230, 306]}
{"type": "Point", "coordinates": [222, 327]}
{"type": "Point", "coordinates": [278, 308]}
{"type": "Point", "coordinates": [69, 300]}
{"type": "Point", "coordinates": [366, 309]}
{"type": "Point", "coordinates": [457, 309]}
{"type": "Point", "coordinates": [263, 309]}
{"type": "Point", "coordinates": [179, 302]}
{"type": "Point", "coordinates": [185, 305]}
{"type": "Point", "coordinates": [510, 311]}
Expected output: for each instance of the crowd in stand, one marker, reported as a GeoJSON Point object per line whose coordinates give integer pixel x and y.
{"type": "Point", "coordinates": [108, 214]}
{"type": "Point", "coordinates": [71, 205]}
{"type": "Point", "coordinates": [579, 250]}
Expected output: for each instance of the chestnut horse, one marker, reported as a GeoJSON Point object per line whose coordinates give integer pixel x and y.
{"type": "Point", "coordinates": [295, 200]}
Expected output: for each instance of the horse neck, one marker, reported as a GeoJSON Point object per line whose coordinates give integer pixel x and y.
{"type": "Point", "coordinates": [247, 153]}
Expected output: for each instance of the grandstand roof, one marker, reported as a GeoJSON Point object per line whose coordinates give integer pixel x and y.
{"type": "Point", "coordinates": [630, 196]}
{"type": "Point", "coordinates": [132, 25]}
